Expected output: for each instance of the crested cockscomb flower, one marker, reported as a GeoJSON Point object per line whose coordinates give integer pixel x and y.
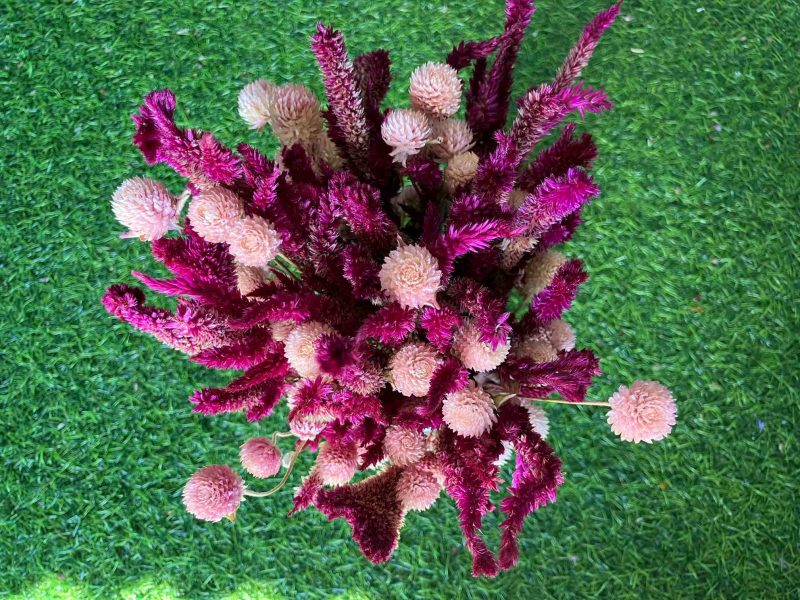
{"type": "Point", "coordinates": [540, 270]}
{"type": "Point", "coordinates": [300, 350]}
{"type": "Point", "coordinates": [146, 208]}
{"type": "Point", "coordinates": [213, 493]}
{"type": "Point", "coordinates": [336, 463]}
{"type": "Point", "coordinates": [643, 412]}
{"type": "Point", "coordinates": [406, 131]}
{"type": "Point", "coordinates": [412, 368]}
{"type": "Point", "coordinates": [404, 446]}
{"type": "Point", "coordinates": [417, 488]}
{"type": "Point", "coordinates": [435, 90]}
{"type": "Point", "coordinates": [395, 274]}
{"type": "Point", "coordinates": [215, 213]}
{"type": "Point", "coordinates": [476, 354]}
{"type": "Point", "coordinates": [450, 137]}
{"type": "Point", "coordinates": [255, 103]}
{"type": "Point", "coordinates": [410, 275]}
{"type": "Point", "coordinates": [260, 457]}
{"type": "Point", "coordinates": [469, 411]}
{"type": "Point", "coordinates": [460, 170]}
{"type": "Point", "coordinates": [254, 241]}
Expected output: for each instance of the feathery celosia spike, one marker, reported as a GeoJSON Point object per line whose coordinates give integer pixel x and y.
{"type": "Point", "coordinates": [553, 200]}
{"type": "Point", "coordinates": [372, 71]}
{"type": "Point", "coordinates": [372, 509]}
{"type": "Point", "coordinates": [306, 493]}
{"type": "Point", "coordinates": [542, 108]}
{"type": "Point", "coordinates": [361, 207]}
{"type": "Point", "coordinates": [440, 325]}
{"type": "Point", "coordinates": [488, 311]}
{"type": "Point", "coordinates": [390, 325]}
{"type": "Point", "coordinates": [466, 53]}
{"type": "Point", "coordinates": [557, 297]}
{"type": "Point", "coordinates": [425, 174]}
{"type": "Point", "coordinates": [565, 154]}
{"type": "Point", "coordinates": [256, 347]}
{"type": "Point", "coordinates": [192, 287]}
{"type": "Point", "coordinates": [334, 353]}
{"type": "Point", "coordinates": [580, 54]}
{"type": "Point", "coordinates": [344, 96]}
{"type": "Point", "coordinates": [258, 401]}
{"type": "Point", "coordinates": [274, 366]}
{"type": "Point", "coordinates": [569, 375]}
{"type": "Point", "coordinates": [458, 241]}
{"type": "Point", "coordinates": [560, 232]}
{"type": "Point", "coordinates": [362, 272]}
{"type": "Point", "coordinates": [450, 377]}
{"type": "Point", "coordinates": [536, 478]}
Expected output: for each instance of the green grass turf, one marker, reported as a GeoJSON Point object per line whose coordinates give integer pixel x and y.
{"type": "Point", "coordinates": [692, 251]}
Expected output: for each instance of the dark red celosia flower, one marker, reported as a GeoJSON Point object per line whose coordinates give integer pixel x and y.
{"type": "Point", "coordinates": [375, 259]}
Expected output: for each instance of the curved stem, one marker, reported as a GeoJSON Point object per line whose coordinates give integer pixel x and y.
{"type": "Point", "coordinates": [282, 481]}
{"type": "Point", "coordinates": [551, 401]}
{"type": "Point", "coordinates": [281, 434]}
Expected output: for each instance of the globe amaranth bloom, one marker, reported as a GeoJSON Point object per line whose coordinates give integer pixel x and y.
{"type": "Point", "coordinates": [407, 132]}
{"type": "Point", "coordinates": [260, 457]}
{"type": "Point", "coordinates": [469, 412]}
{"type": "Point", "coordinates": [215, 213]}
{"type": "Point", "coordinates": [435, 89]}
{"type": "Point", "coordinates": [254, 242]}
{"type": "Point", "coordinates": [412, 368]}
{"type": "Point", "coordinates": [146, 208]}
{"type": "Point", "coordinates": [404, 446]}
{"type": "Point", "coordinates": [255, 102]}
{"type": "Point", "coordinates": [476, 354]}
{"type": "Point", "coordinates": [300, 347]}
{"type": "Point", "coordinates": [213, 493]}
{"type": "Point", "coordinates": [643, 412]}
{"type": "Point", "coordinates": [410, 275]}
{"type": "Point", "coordinates": [336, 462]}
{"type": "Point", "coordinates": [417, 488]}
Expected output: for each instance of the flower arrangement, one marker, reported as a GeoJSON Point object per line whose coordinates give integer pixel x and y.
{"type": "Point", "coordinates": [392, 275]}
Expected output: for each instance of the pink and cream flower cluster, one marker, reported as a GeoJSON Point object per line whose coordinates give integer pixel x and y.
{"type": "Point", "coordinates": [395, 277]}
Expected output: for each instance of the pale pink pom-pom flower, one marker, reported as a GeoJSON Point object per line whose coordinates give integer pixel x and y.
{"type": "Point", "coordinates": [469, 412]}
{"type": "Point", "coordinates": [146, 208]}
{"type": "Point", "coordinates": [255, 102]}
{"type": "Point", "coordinates": [294, 115]}
{"type": "Point", "coordinates": [561, 334]}
{"type": "Point", "coordinates": [412, 368]}
{"type": "Point", "coordinates": [406, 131]}
{"type": "Point", "coordinates": [644, 412]}
{"type": "Point", "coordinates": [540, 270]}
{"type": "Point", "coordinates": [435, 89]}
{"type": "Point", "coordinates": [215, 214]}
{"type": "Point", "coordinates": [255, 242]}
{"type": "Point", "coordinates": [280, 330]}
{"type": "Point", "coordinates": [460, 170]}
{"type": "Point", "coordinates": [476, 354]}
{"type": "Point", "coordinates": [300, 350]}
{"type": "Point", "coordinates": [336, 463]}
{"type": "Point", "coordinates": [450, 138]}
{"type": "Point", "coordinates": [260, 457]}
{"type": "Point", "coordinates": [417, 488]}
{"type": "Point", "coordinates": [249, 279]}
{"type": "Point", "coordinates": [404, 446]}
{"type": "Point", "coordinates": [537, 347]}
{"type": "Point", "coordinates": [411, 276]}
{"type": "Point", "coordinates": [213, 493]}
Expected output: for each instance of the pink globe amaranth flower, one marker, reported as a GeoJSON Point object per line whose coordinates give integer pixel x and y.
{"type": "Point", "coordinates": [213, 493]}
{"type": "Point", "coordinates": [537, 347]}
{"type": "Point", "coordinates": [215, 213]}
{"type": "Point", "coordinates": [260, 457]}
{"type": "Point", "coordinates": [336, 463]}
{"type": "Point", "coordinates": [460, 170]}
{"type": "Point", "coordinates": [540, 270]}
{"type": "Point", "coordinates": [417, 488]}
{"type": "Point", "coordinates": [644, 412]}
{"type": "Point", "coordinates": [435, 89]}
{"type": "Point", "coordinates": [561, 334]}
{"type": "Point", "coordinates": [476, 354]}
{"type": "Point", "coordinates": [406, 131]}
{"type": "Point", "coordinates": [249, 279]}
{"type": "Point", "coordinates": [450, 137]}
{"type": "Point", "coordinates": [280, 330]}
{"type": "Point", "coordinates": [300, 350]}
{"type": "Point", "coordinates": [146, 208]}
{"type": "Point", "coordinates": [294, 115]}
{"type": "Point", "coordinates": [255, 242]}
{"type": "Point", "coordinates": [411, 276]}
{"type": "Point", "coordinates": [404, 446]}
{"type": "Point", "coordinates": [412, 368]}
{"type": "Point", "coordinates": [255, 102]}
{"type": "Point", "coordinates": [469, 412]}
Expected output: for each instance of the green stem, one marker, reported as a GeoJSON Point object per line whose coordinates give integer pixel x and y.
{"type": "Point", "coordinates": [282, 481]}
{"type": "Point", "coordinates": [552, 401]}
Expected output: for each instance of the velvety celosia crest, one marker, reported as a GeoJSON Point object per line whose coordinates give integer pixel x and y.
{"type": "Point", "coordinates": [392, 274]}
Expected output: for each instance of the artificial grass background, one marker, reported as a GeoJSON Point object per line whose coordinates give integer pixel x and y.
{"type": "Point", "coordinates": [692, 251]}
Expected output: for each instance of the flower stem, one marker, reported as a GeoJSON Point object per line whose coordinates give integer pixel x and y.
{"type": "Point", "coordinates": [552, 401]}
{"type": "Point", "coordinates": [282, 481]}
{"type": "Point", "coordinates": [281, 434]}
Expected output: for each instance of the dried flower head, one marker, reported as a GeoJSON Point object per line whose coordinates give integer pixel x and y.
{"type": "Point", "coordinates": [249, 279]}
{"type": "Point", "coordinates": [450, 137]}
{"type": "Point", "coordinates": [476, 354]}
{"type": "Point", "coordinates": [561, 334]}
{"type": "Point", "coordinates": [540, 270]}
{"type": "Point", "coordinates": [215, 213]}
{"type": "Point", "coordinates": [644, 412]}
{"type": "Point", "coordinates": [213, 493]}
{"type": "Point", "coordinates": [255, 102]}
{"type": "Point", "coordinates": [280, 330]}
{"type": "Point", "coordinates": [295, 115]}
{"type": "Point", "coordinates": [404, 446]}
{"type": "Point", "coordinates": [146, 208]}
{"type": "Point", "coordinates": [435, 89]}
{"type": "Point", "coordinates": [417, 488]}
{"type": "Point", "coordinates": [300, 347]}
{"type": "Point", "coordinates": [336, 463]}
{"type": "Point", "coordinates": [254, 242]}
{"type": "Point", "coordinates": [469, 411]}
{"type": "Point", "coordinates": [260, 457]}
{"type": "Point", "coordinates": [412, 368]}
{"type": "Point", "coordinates": [460, 170]}
{"type": "Point", "coordinates": [537, 347]}
{"type": "Point", "coordinates": [406, 131]}
{"type": "Point", "coordinates": [410, 275]}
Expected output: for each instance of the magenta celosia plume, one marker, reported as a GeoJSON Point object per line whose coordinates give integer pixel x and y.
{"type": "Point", "coordinates": [365, 275]}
